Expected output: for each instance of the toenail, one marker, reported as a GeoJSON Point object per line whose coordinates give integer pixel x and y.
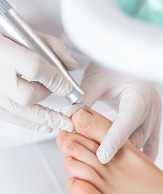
{"type": "Point", "coordinates": [84, 118]}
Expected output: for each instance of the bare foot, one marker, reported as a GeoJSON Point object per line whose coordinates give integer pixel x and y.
{"type": "Point", "coordinates": [129, 172]}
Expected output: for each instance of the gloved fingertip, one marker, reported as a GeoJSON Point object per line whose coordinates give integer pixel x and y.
{"type": "Point", "coordinates": [71, 109]}
{"type": "Point", "coordinates": [104, 156]}
{"type": "Point", "coordinates": [70, 129]}
{"type": "Point", "coordinates": [67, 126]}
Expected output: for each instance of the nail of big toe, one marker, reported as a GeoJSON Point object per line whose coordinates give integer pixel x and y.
{"type": "Point", "coordinates": [84, 118]}
{"type": "Point", "coordinates": [91, 124]}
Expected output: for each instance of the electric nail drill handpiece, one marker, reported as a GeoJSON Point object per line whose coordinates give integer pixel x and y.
{"type": "Point", "coordinates": [14, 27]}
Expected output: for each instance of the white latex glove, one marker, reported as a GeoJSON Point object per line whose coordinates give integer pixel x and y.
{"type": "Point", "coordinates": [139, 111]}
{"type": "Point", "coordinates": [26, 79]}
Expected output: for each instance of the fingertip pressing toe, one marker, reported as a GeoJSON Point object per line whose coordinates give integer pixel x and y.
{"type": "Point", "coordinates": [103, 156]}
{"type": "Point", "coordinates": [69, 127]}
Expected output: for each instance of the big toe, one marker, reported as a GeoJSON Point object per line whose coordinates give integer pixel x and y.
{"type": "Point", "coordinates": [91, 124]}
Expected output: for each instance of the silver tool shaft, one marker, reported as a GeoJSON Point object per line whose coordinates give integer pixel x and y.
{"type": "Point", "coordinates": [14, 27]}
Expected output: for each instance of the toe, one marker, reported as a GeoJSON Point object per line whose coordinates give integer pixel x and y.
{"type": "Point", "coordinates": [81, 187]}
{"type": "Point", "coordinates": [91, 124]}
{"type": "Point", "coordinates": [83, 171]}
{"type": "Point", "coordinates": [66, 138]}
{"type": "Point", "coordinates": [81, 153]}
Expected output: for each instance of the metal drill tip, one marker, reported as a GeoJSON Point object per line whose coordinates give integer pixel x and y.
{"type": "Point", "coordinates": [87, 109]}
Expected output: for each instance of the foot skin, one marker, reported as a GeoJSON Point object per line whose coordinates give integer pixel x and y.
{"type": "Point", "coordinates": [130, 171]}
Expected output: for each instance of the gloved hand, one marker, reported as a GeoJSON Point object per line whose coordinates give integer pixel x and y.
{"type": "Point", "coordinates": [139, 110]}
{"type": "Point", "coordinates": [26, 79]}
